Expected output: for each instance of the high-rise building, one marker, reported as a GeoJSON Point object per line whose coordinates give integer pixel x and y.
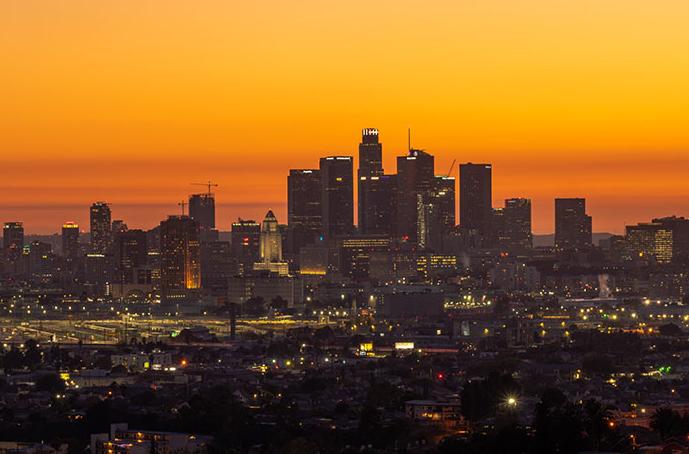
{"type": "Point", "coordinates": [131, 253]}
{"type": "Point", "coordinates": [370, 165]}
{"type": "Point", "coordinates": [444, 198]}
{"type": "Point", "coordinates": [70, 240]}
{"type": "Point", "coordinates": [649, 241]}
{"type": "Point", "coordinates": [415, 178]}
{"type": "Point", "coordinates": [370, 154]}
{"type": "Point", "coordinates": [337, 196]}
{"type": "Point", "coordinates": [377, 203]}
{"type": "Point", "coordinates": [202, 210]}
{"type": "Point", "coordinates": [270, 249]}
{"type": "Point", "coordinates": [245, 244]}
{"type": "Point", "coordinates": [572, 224]}
{"type": "Point", "coordinates": [217, 266]}
{"type": "Point", "coordinates": [13, 237]}
{"type": "Point", "coordinates": [517, 234]}
{"type": "Point", "coordinates": [101, 233]}
{"type": "Point", "coordinates": [180, 267]}
{"type": "Point", "coordinates": [476, 198]}
{"type": "Point", "coordinates": [303, 208]}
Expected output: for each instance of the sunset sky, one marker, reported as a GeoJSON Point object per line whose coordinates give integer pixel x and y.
{"type": "Point", "coordinates": [129, 101]}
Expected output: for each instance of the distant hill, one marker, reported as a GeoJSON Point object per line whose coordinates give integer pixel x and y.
{"type": "Point", "coordinates": [549, 239]}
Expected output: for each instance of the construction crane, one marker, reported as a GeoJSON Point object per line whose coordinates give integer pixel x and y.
{"type": "Point", "coordinates": [209, 185]}
{"type": "Point", "coordinates": [449, 172]}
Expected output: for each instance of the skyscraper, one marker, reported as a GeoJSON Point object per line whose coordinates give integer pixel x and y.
{"type": "Point", "coordinates": [370, 154]}
{"type": "Point", "coordinates": [377, 203]}
{"type": "Point", "coordinates": [245, 243]}
{"type": "Point", "coordinates": [370, 165]}
{"type": "Point", "coordinates": [572, 224]}
{"type": "Point", "coordinates": [443, 195]}
{"type": "Point", "coordinates": [180, 268]}
{"type": "Point", "coordinates": [70, 240]}
{"type": "Point", "coordinates": [303, 208]}
{"type": "Point", "coordinates": [337, 196]}
{"type": "Point", "coordinates": [517, 224]}
{"type": "Point", "coordinates": [476, 197]}
{"type": "Point", "coordinates": [202, 210]}
{"type": "Point", "coordinates": [131, 252]}
{"type": "Point", "coordinates": [13, 236]}
{"type": "Point", "coordinates": [415, 177]}
{"type": "Point", "coordinates": [101, 233]}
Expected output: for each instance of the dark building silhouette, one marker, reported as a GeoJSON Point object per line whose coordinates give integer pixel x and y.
{"type": "Point", "coordinates": [303, 208]}
{"type": "Point", "coordinates": [572, 224]}
{"type": "Point", "coordinates": [217, 266]}
{"type": "Point", "coordinates": [131, 254]}
{"type": "Point", "coordinates": [517, 235]}
{"type": "Point", "coordinates": [202, 210]}
{"type": "Point", "coordinates": [337, 196]}
{"type": "Point", "coordinates": [245, 244]}
{"type": "Point", "coordinates": [13, 236]}
{"type": "Point", "coordinates": [377, 204]}
{"type": "Point", "coordinates": [370, 154]}
{"type": "Point", "coordinates": [180, 268]}
{"type": "Point", "coordinates": [101, 228]}
{"type": "Point", "coordinates": [370, 165]}
{"type": "Point", "coordinates": [70, 240]}
{"type": "Point", "coordinates": [444, 197]}
{"type": "Point", "coordinates": [118, 226]}
{"type": "Point", "coordinates": [415, 178]}
{"type": "Point", "coordinates": [476, 198]}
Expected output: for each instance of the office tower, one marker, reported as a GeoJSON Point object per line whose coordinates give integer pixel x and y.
{"type": "Point", "coordinates": [13, 238]}
{"type": "Point", "coordinates": [415, 177]}
{"type": "Point", "coordinates": [70, 240]}
{"type": "Point", "coordinates": [444, 198]}
{"type": "Point", "coordinates": [303, 208]}
{"type": "Point", "coordinates": [680, 236]}
{"type": "Point", "coordinates": [180, 268]}
{"type": "Point", "coordinates": [370, 154]}
{"type": "Point", "coordinates": [377, 203]}
{"type": "Point", "coordinates": [101, 233]}
{"type": "Point", "coordinates": [337, 196]}
{"type": "Point", "coordinates": [131, 254]}
{"type": "Point", "coordinates": [572, 224]}
{"type": "Point", "coordinates": [476, 198]}
{"type": "Point", "coordinates": [270, 247]}
{"type": "Point", "coordinates": [649, 241]}
{"type": "Point", "coordinates": [202, 210]}
{"type": "Point", "coordinates": [370, 165]}
{"type": "Point", "coordinates": [245, 243]}
{"type": "Point", "coordinates": [517, 234]}
{"type": "Point", "coordinates": [496, 236]}
{"type": "Point", "coordinates": [217, 266]}
{"type": "Point", "coordinates": [428, 225]}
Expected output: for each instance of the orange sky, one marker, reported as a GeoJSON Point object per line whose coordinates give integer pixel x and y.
{"type": "Point", "coordinates": [131, 100]}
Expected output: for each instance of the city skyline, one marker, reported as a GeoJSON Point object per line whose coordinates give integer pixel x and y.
{"type": "Point", "coordinates": [565, 100]}
{"type": "Point", "coordinates": [38, 220]}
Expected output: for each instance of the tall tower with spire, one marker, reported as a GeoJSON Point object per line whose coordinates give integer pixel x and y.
{"type": "Point", "coordinates": [270, 247]}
